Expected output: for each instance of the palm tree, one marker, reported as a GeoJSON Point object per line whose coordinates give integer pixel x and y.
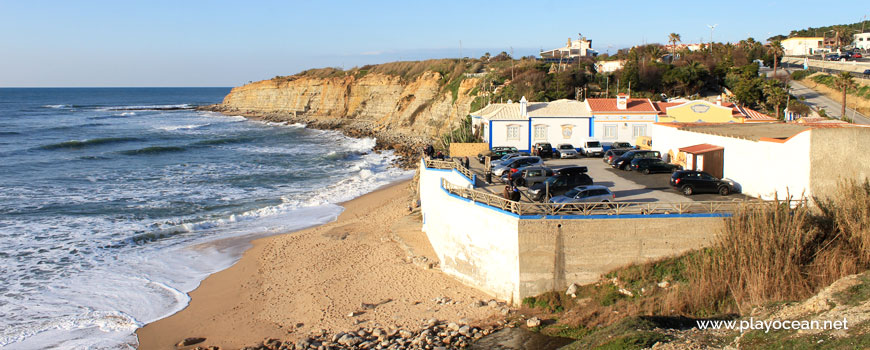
{"type": "Point", "coordinates": [845, 82]}
{"type": "Point", "coordinates": [842, 36]}
{"type": "Point", "coordinates": [775, 95]}
{"type": "Point", "coordinates": [776, 50]}
{"type": "Point", "coordinates": [673, 38]}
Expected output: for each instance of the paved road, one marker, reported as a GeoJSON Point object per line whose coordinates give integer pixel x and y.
{"type": "Point", "coordinates": [818, 101]}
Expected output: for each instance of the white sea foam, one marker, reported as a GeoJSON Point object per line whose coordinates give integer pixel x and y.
{"type": "Point", "coordinates": [183, 127]}
{"type": "Point", "coordinates": [138, 107]}
{"type": "Point", "coordinates": [57, 106]}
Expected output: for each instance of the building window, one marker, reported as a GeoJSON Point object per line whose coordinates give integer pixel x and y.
{"type": "Point", "coordinates": [610, 131]}
{"type": "Point", "coordinates": [513, 132]}
{"type": "Point", "coordinates": [540, 132]}
{"type": "Point", "coordinates": [638, 130]}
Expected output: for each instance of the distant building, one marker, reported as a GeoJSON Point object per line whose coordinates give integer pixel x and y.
{"type": "Point", "coordinates": [525, 123]}
{"type": "Point", "coordinates": [573, 50]}
{"type": "Point", "coordinates": [609, 66]}
{"type": "Point", "coordinates": [621, 119]}
{"type": "Point", "coordinates": [861, 41]}
{"type": "Point", "coordinates": [802, 46]}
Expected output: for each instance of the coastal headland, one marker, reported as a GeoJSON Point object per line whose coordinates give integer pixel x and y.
{"type": "Point", "coordinates": [338, 277]}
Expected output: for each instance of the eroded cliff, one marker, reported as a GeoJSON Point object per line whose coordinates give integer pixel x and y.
{"type": "Point", "coordinates": [401, 113]}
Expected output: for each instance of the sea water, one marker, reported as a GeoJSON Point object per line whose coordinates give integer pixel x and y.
{"type": "Point", "coordinates": [111, 201]}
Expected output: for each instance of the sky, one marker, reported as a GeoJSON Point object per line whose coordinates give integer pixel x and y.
{"type": "Point", "coordinates": [229, 43]}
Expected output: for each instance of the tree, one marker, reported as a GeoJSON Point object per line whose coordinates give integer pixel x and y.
{"type": "Point", "coordinates": [674, 38]}
{"type": "Point", "coordinates": [776, 50]}
{"type": "Point", "coordinates": [775, 96]}
{"type": "Point", "coordinates": [842, 36]}
{"type": "Point", "coordinates": [844, 81]}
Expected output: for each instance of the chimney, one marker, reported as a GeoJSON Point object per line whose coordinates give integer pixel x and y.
{"type": "Point", "coordinates": [524, 110]}
{"type": "Point", "coordinates": [719, 100]}
{"type": "Point", "coordinates": [622, 101]}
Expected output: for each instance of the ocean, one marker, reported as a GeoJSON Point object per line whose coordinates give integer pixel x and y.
{"type": "Point", "coordinates": [116, 202]}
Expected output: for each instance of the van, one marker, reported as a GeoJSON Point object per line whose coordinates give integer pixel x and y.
{"type": "Point", "coordinates": [592, 148]}
{"type": "Point", "coordinates": [643, 143]}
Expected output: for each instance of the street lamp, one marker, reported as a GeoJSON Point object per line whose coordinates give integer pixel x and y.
{"type": "Point", "coordinates": [712, 27]}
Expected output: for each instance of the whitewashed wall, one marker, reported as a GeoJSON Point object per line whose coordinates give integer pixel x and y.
{"type": "Point", "coordinates": [579, 130]}
{"type": "Point", "coordinates": [475, 244]}
{"type": "Point", "coordinates": [763, 169]}
{"type": "Point", "coordinates": [624, 126]}
{"type": "Point", "coordinates": [499, 134]}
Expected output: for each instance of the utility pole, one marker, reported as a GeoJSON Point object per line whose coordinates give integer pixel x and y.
{"type": "Point", "coordinates": [712, 27]}
{"type": "Point", "coordinates": [512, 63]}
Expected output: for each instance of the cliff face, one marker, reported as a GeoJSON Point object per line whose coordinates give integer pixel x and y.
{"type": "Point", "coordinates": [384, 106]}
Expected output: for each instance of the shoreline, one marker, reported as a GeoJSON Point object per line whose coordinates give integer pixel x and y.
{"type": "Point", "coordinates": [291, 285]}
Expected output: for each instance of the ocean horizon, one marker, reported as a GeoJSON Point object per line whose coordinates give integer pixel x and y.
{"type": "Point", "coordinates": [111, 200]}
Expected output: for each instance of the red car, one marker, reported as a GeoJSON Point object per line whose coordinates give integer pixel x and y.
{"type": "Point", "coordinates": [857, 55]}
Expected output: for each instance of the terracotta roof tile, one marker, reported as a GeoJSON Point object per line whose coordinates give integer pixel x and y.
{"type": "Point", "coordinates": [635, 105]}
{"type": "Point", "coordinates": [702, 148]}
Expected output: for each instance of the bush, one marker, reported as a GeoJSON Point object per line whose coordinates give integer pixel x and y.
{"type": "Point", "coordinates": [799, 74]}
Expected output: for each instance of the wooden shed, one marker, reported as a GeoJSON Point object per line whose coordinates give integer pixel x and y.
{"type": "Point", "coordinates": [705, 157]}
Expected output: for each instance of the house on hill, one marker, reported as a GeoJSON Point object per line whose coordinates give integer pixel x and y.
{"type": "Point", "coordinates": [621, 119]}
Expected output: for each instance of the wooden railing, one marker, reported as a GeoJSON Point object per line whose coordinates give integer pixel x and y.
{"type": "Point", "coordinates": [450, 164]}
{"type": "Point", "coordinates": [605, 208]}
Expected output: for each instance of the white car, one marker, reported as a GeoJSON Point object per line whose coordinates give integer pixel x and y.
{"type": "Point", "coordinates": [592, 148]}
{"type": "Point", "coordinates": [516, 163]}
{"type": "Point", "coordinates": [567, 150]}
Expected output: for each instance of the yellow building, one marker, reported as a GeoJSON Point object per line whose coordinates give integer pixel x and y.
{"type": "Point", "coordinates": [700, 111]}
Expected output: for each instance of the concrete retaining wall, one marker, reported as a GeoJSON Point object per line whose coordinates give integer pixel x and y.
{"type": "Point", "coordinates": [836, 155]}
{"type": "Point", "coordinates": [467, 149]}
{"type": "Point", "coordinates": [512, 258]}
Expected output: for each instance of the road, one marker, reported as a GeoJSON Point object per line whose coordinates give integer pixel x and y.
{"type": "Point", "coordinates": [818, 101]}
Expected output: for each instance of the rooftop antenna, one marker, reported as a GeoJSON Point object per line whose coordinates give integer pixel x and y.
{"type": "Point", "coordinates": [512, 63]}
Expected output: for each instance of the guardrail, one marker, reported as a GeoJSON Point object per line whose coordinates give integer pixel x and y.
{"type": "Point", "coordinates": [455, 163]}
{"type": "Point", "coordinates": [605, 208]}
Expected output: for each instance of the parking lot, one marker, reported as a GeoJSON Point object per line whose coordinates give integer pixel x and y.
{"type": "Point", "coordinates": [628, 186]}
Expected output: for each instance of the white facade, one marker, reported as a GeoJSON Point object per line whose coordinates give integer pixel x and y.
{"type": "Point", "coordinates": [609, 66]}
{"type": "Point", "coordinates": [762, 169]}
{"type": "Point", "coordinates": [862, 41]}
{"type": "Point", "coordinates": [622, 128]}
{"type": "Point", "coordinates": [523, 124]}
{"type": "Point", "coordinates": [802, 46]}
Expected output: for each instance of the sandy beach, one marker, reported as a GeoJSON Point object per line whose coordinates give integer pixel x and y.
{"type": "Point", "coordinates": [291, 285]}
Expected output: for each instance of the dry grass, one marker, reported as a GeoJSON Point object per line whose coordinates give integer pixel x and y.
{"type": "Point", "coordinates": [761, 256]}
{"type": "Point", "coordinates": [863, 105]}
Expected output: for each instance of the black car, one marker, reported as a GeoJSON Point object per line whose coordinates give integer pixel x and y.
{"type": "Point", "coordinates": [558, 184]}
{"type": "Point", "coordinates": [543, 150]}
{"type": "Point", "coordinates": [867, 72]}
{"type": "Point", "coordinates": [649, 166]}
{"type": "Point", "coordinates": [612, 154]}
{"type": "Point", "coordinates": [571, 170]}
{"type": "Point", "coordinates": [692, 181]}
{"type": "Point", "coordinates": [625, 159]}
{"type": "Point", "coordinates": [495, 153]}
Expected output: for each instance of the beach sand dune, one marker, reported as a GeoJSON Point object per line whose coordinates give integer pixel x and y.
{"type": "Point", "coordinates": [291, 285]}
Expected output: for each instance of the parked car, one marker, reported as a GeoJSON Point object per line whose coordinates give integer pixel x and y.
{"type": "Point", "coordinates": [585, 194]}
{"type": "Point", "coordinates": [566, 150]}
{"type": "Point", "coordinates": [649, 166]}
{"type": "Point", "coordinates": [620, 145]}
{"type": "Point", "coordinates": [543, 149]}
{"type": "Point", "coordinates": [612, 154]}
{"type": "Point", "coordinates": [516, 163]}
{"type": "Point", "coordinates": [530, 175]}
{"type": "Point", "coordinates": [571, 170]}
{"type": "Point", "coordinates": [558, 184]}
{"type": "Point", "coordinates": [592, 148]}
{"type": "Point", "coordinates": [832, 57]}
{"type": "Point", "coordinates": [625, 159]}
{"type": "Point", "coordinates": [857, 55]}
{"type": "Point", "coordinates": [867, 72]}
{"type": "Point", "coordinates": [692, 181]}
{"type": "Point", "coordinates": [507, 157]}
{"type": "Point", "coordinates": [495, 153]}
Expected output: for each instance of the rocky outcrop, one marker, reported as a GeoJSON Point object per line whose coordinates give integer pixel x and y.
{"type": "Point", "coordinates": [402, 115]}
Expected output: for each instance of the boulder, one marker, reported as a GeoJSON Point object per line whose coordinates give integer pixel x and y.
{"type": "Point", "coordinates": [533, 322]}
{"type": "Point", "coordinates": [190, 341]}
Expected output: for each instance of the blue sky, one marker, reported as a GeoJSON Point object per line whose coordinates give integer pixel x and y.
{"type": "Point", "coordinates": [228, 43]}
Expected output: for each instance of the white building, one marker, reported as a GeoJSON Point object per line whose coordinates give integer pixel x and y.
{"type": "Point", "coordinates": [572, 50]}
{"type": "Point", "coordinates": [769, 160]}
{"type": "Point", "coordinates": [523, 124]}
{"type": "Point", "coordinates": [621, 119]}
{"type": "Point", "coordinates": [609, 66]}
{"type": "Point", "coordinates": [803, 46]}
{"type": "Point", "coordinates": [862, 41]}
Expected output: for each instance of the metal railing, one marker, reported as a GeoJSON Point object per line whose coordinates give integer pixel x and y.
{"type": "Point", "coordinates": [455, 163]}
{"type": "Point", "coordinates": [604, 208]}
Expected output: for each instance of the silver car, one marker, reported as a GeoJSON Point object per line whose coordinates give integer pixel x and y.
{"type": "Point", "coordinates": [586, 194]}
{"type": "Point", "coordinates": [517, 162]}
{"type": "Point", "coordinates": [507, 157]}
{"type": "Point", "coordinates": [531, 175]}
{"type": "Point", "coordinates": [567, 150]}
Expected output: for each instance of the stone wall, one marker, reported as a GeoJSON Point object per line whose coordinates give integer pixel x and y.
{"type": "Point", "coordinates": [467, 149]}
